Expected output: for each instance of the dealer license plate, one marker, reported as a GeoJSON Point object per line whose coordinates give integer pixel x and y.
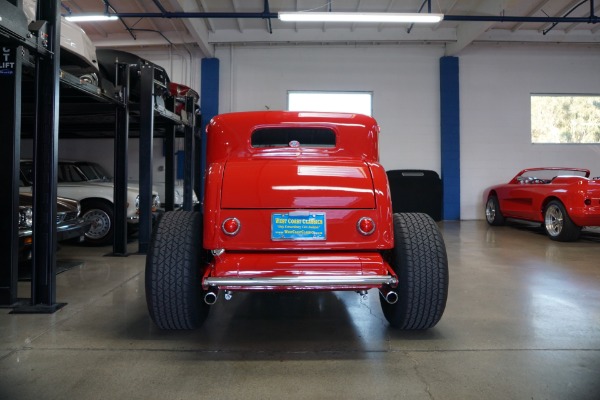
{"type": "Point", "coordinates": [298, 225]}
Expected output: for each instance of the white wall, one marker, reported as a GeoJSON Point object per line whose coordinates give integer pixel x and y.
{"type": "Point", "coordinates": [404, 81]}
{"type": "Point", "coordinates": [496, 82]}
{"type": "Point", "coordinates": [495, 86]}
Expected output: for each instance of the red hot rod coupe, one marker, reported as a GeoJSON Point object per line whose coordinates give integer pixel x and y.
{"type": "Point", "coordinates": [295, 201]}
{"type": "Point", "coordinates": [563, 200]}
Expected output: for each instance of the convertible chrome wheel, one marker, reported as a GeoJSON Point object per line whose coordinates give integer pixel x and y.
{"type": "Point", "coordinates": [557, 223]}
{"type": "Point", "coordinates": [492, 211]}
{"type": "Point", "coordinates": [554, 220]}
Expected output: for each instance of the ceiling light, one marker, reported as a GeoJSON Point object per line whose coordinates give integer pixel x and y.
{"type": "Point", "coordinates": [91, 17]}
{"type": "Point", "coordinates": [304, 16]}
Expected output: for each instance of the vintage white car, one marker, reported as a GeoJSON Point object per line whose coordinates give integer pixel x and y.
{"type": "Point", "coordinates": [91, 185]}
{"type": "Point", "coordinates": [79, 53]}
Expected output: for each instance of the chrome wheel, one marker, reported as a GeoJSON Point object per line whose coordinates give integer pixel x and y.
{"type": "Point", "coordinates": [101, 224]}
{"type": "Point", "coordinates": [554, 220]}
{"type": "Point", "coordinates": [493, 215]}
{"type": "Point", "coordinates": [490, 210]}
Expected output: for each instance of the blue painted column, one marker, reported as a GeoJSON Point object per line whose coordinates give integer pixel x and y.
{"type": "Point", "coordinates": [209, 107]}
{"type": "Point", "coordinates": [450, 135]}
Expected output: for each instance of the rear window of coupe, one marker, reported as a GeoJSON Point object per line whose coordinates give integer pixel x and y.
{"type": "Point", "coordinates": [293, 137]}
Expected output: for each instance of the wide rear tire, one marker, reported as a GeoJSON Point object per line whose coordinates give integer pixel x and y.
{"type": "Point", "coordinates": [174, 270]}
{"type": "Point", "coordinates": [420, 261]}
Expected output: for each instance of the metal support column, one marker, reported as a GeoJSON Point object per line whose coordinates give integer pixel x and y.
{"type": "Point", "coordinates": [170, 167]}
{"type": "Point", "coordinates": [146, 142]}
{"type": "Point", "coordinates": [45, 151]}
{"type": "Point", "coordinates": [121, 162]}
{"type": "Point", "coordinates": [189, 157]}
{"type": "Point", "coordinates": [10, 152]}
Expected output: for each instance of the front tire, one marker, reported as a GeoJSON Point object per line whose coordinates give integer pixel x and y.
{"type": "Point", "coordinates": [493, 215]}
{"type": "Point", "coordinates": [420, 261]}
{"type": "Point", "coordinates": [174, 270]}
{"type": "Point", "coordinates": [557, 223]}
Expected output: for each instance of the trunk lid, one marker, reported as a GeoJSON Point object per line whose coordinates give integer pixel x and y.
{"type": "Point", "coordinates": [297, 184]}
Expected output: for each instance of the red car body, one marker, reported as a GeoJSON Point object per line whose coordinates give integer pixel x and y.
{"type": "Point", "coordinates": [528, 195]}
{"type": "Point", "coordinates": [295, 201]}
{"type": "Point", "coordinates": [288, 180]}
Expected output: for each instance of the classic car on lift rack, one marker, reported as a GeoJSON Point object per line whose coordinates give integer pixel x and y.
{"type": "Point", "coordinates": [168, 95]}
{"type": "Point", "coordinates": [563, 200]}
{"type": "Point", "coordinates": [69, 224]}
{"type": "Point", "coordinates": [295, 202]}
{"type": "Point", "coordinates": [78, 53]}
{"type": "Point", "coordinates": [88, 183]}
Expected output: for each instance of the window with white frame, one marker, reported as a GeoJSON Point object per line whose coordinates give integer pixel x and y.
{"type": "Point", "coordinates": [352, 102]}
{"type": "Point", "coordinates": [557, 118]}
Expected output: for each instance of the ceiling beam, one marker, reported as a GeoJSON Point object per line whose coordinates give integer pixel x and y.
{"type": "Point", "coordinates": [467, 32]}
{"type": "Point", "coordinates": [562, 12]}
{"type": "Point", "coordinates": [537, 8]}
{"type": "Point", "coordinates": [197, 28]}
{"type": "Point", "coordinates": [237, 20]}
{"type": "Point", "coordinates": [209, 23]}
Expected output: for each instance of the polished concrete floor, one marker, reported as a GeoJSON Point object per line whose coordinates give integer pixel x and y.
{"type": "Point", "coordinates": [522, 322]}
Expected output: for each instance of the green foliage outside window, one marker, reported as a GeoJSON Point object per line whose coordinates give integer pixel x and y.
{"type": "Point", "coordinates": [565, 119]}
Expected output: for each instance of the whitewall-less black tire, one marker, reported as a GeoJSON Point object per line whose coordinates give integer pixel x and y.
{"type": "Point", "coordinates": [174, 270]}
{"type": "Point", "coordinates": [420, 261]}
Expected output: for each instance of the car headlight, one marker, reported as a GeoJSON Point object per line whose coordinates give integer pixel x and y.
{"type": "Point", "coordinates": [25, 217]}
{"type": "Point", "coordinates": [155, 202]}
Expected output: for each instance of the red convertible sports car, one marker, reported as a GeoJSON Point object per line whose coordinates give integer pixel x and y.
{"type": "Point", "coordinates": [563, 199]}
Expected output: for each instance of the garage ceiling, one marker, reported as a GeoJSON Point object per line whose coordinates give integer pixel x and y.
{"type": "Point", "coordinates": [206, 33]}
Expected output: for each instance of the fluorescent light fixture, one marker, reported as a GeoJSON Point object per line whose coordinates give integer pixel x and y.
{"type": "Point", "coordinates": [90, 17]}
{"type": "Point", "coordinates": [308, 16]}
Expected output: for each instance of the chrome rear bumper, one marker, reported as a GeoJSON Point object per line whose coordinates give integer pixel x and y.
{"type": "Point", "coordinates": [301, 281]}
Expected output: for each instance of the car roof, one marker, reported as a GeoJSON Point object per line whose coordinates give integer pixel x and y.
{"type": "Point", "coordinates": [229, 135]}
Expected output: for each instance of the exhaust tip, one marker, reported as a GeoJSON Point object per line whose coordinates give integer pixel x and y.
{"type": "Point", "coordinates": [210, 298]}
{"type": "Point", "coordinates": [391, 297]}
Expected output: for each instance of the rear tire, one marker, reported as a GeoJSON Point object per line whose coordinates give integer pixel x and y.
{"type": "Point", "coordinates": [557, 223]}
{"type": "Point", "coordinates": [101, 214]}
{"type": "Point", "coordinates": [174, 270]}
{"type": "Point", "coordinates": [420, 261]}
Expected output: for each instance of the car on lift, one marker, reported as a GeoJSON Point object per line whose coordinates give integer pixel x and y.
{"type": "Point", "coordinates": [168, 95]}
{"type": "Point", "coordinates": [93, 187]}
{"type": "Point", "coordinates": [295, 201]}
{"type": "Point", "coordinates": [69, 223]}
{"type": "Point", "coordinates": [78, 53]}
{"type": "Point", "coordinates": [562, 200]}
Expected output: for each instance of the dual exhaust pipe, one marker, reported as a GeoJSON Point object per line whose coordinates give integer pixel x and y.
{"type": "Point", "coordinates": [390, 296]}
{"type": "Point", "coordinates": [211, 296]}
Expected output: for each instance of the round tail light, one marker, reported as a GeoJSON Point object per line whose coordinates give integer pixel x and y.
{"type": "Point", "coordinates": [365, 226]}
{"type": "Point", "coordinates": [231, 226]}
